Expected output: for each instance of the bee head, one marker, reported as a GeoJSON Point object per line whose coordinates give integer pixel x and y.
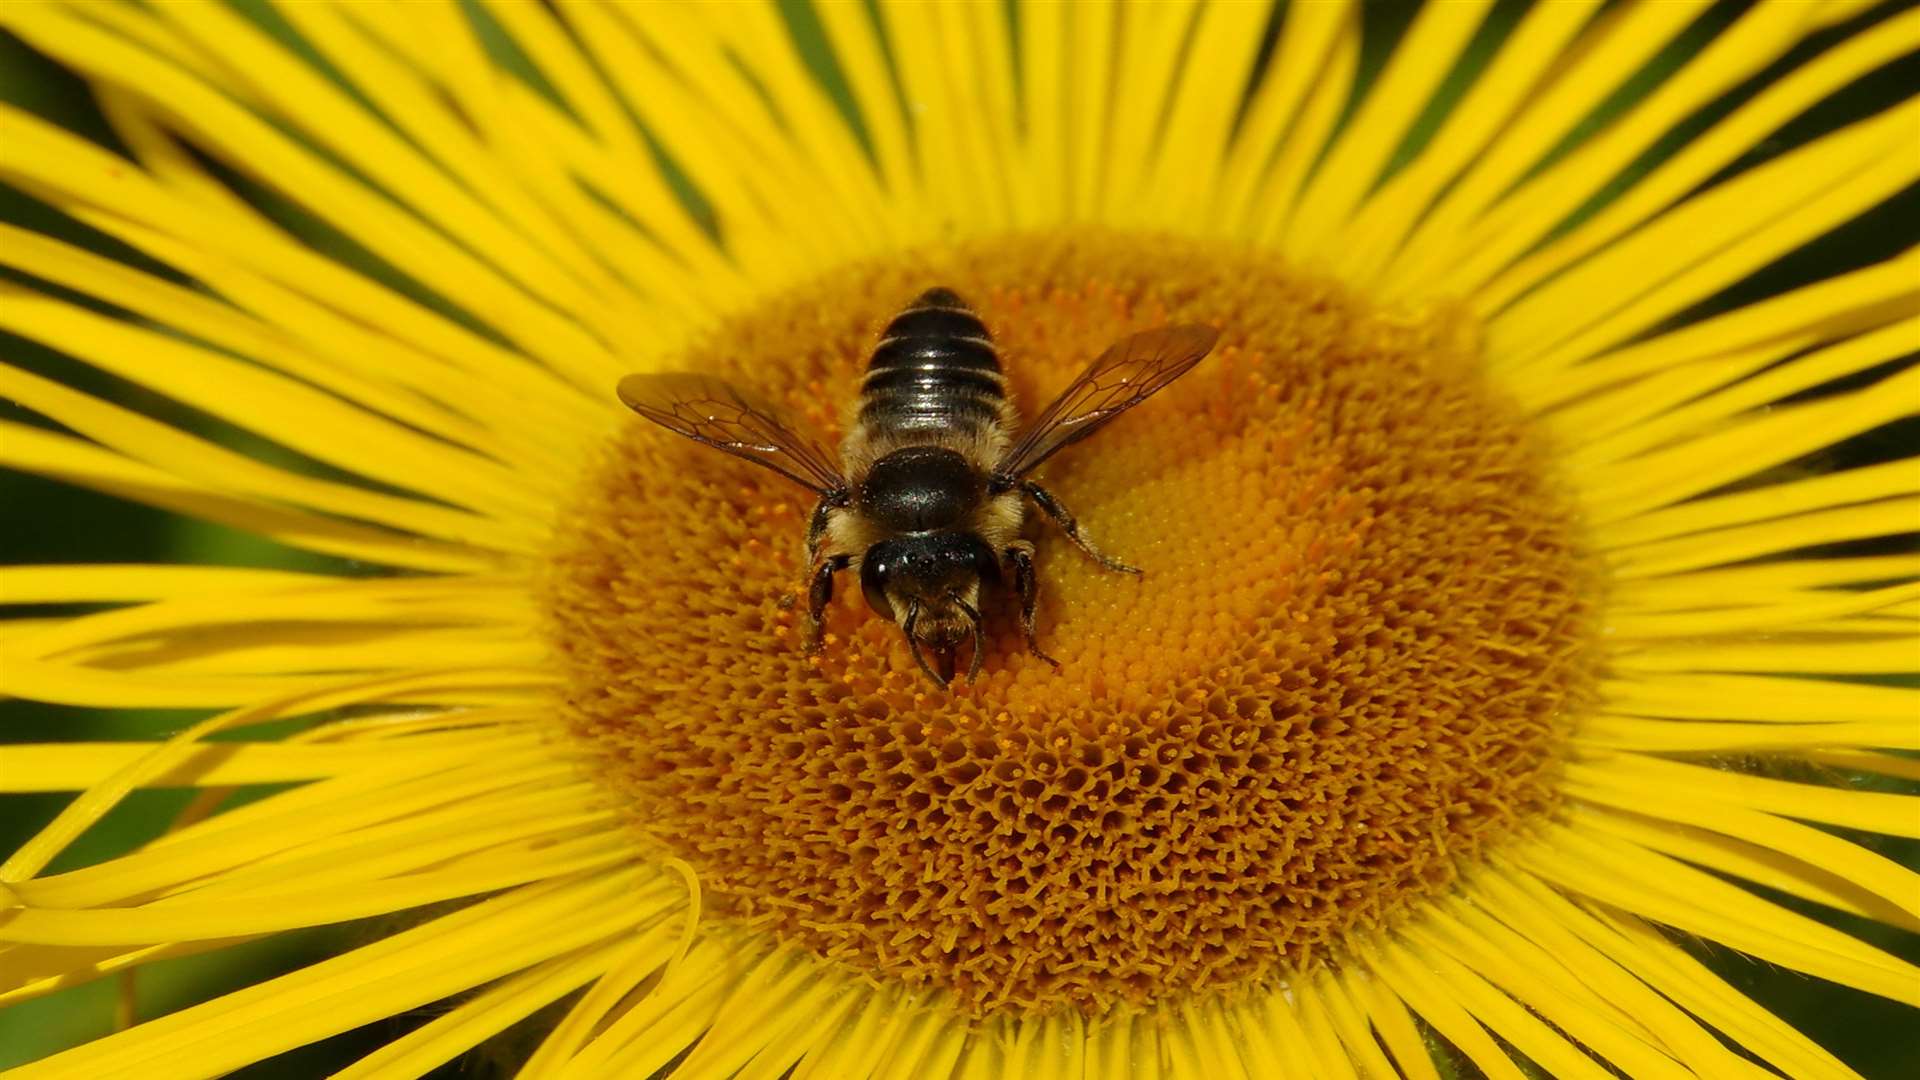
{"type": "Point", "coordinates": [930, 584]}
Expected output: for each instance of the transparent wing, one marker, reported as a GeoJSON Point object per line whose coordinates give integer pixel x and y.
{"type": "Point", "coordinates": [715, 412]}
{"type": "Point", "coordinates": [1130, 372]}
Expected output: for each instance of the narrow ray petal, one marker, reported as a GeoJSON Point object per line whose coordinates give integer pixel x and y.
{"type": "Point", "coordinates": [1421, 60]}
{"type": "Point", "coordinates": [1435, 1002]}
{"type": "Point", "coordinates": [495, 937]}
{"type": "Point", "coordinates": [1637, 879]}
{"type": "Point", "coordinates": [1729, 231]}
{"type": "Point", "coordinates": [1617, 43]}
{"type": "Point", "coordinates": [479, 1018]}
{"type": "Point", "coordinates": [1525, 61]}
{"type": "Point", "coordinates": [1699, 159]}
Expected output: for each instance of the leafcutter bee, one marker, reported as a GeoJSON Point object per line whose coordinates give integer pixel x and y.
{"type": "Point", "coordinates": [929, 492]}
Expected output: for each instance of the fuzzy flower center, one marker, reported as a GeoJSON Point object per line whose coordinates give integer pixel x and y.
{"type": "Point", "coordinates": [1362, 629]}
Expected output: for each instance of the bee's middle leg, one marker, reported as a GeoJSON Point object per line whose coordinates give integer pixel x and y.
{"type": "Point", "coordinates": [1051, 506]}
{"type": "Point", "coordinates": [1026, 584]}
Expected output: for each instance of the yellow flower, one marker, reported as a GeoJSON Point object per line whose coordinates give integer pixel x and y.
{"type": "Point", "coordinates": [1490, 640]}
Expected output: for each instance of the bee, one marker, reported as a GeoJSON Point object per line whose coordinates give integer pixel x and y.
{"type": "Point", "coordinates": [928, 494]}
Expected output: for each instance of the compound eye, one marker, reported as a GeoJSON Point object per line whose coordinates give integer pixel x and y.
{"type": "Point", "coordinates": [875, 569]}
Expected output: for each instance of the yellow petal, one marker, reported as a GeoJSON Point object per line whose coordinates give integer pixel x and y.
{"type": "Point", "coordinates": [1758, 697]}
{"type": "Point", "coordinates": [1734, 54]}
{"type": "Point", "coordinates": [1862, 655]}
{"type": "Point", "coordinates": [31, 971]}
{"type": "Point", "coordinates": [496, 937]}
{"type": "Point", "coordinates": [861, 1044]}
{"type": "Point", "coordinates": [856, 44]}
{"type": "Point", "coordinates": [1780, 326]}
{"type": "Point", "coordinates": [969, 180]}
{"type": "Point", "coordinates": [1436, 1001]}
{"type": "Point", "coordinates": [38, 451]}
{"type": "Point", "coordinates": [1893, 480]}
{"type": "Point", "coordinates": [1333, 1061]}
{"type": "Point", "coordinates": [674, 1015]}
{"type": "Point", "coordinates": [1739, 543]}
{"type": "Point", "coordinates": [1610, 975]}
{"type": "Point", "coordinates": [107, 583]}
{"type": "Point", "coordinates": [76, 765]}
{"type": "Point", "coordinates": [1350, 1023]}
{"type": "Point", "coordinates": [271, 911]}
{"type": "Point", "coordinates": [1278, 1044]}
{"type": "Point", "coordinates": [1353, 164]}
{"type": "Point", "coordinates": [1905, 768]}
{"type": "Point", "coordinates": [1795, 859]}
{"type": "Point", "coordinates": [1668, 969]}
{"type": "Point", "coordinates": [1712, 588]}
{"type": "Point", "coordinates": [726, 88]}
{"type": "Point", "coordinates": [371, 220]}
{"type": "Point", "coordinates": [1618, 42]}
{"type": "Point", "coordinates": [1732, 231]}
{"type": "Point", "coordinates": [1782, 616]}
{"type": "Point", "coordinates": [198, 461]}
{"type": "Point", "coordinates": [940, 1043]}
{"type": "Point", "coordinates": [1196, 132]}
{"type": "Point", "coordinates": [761, 1017]}
{"type": "Point", "coordinates": [479, 1018]}
{"type": "Point", "coordinates": [195, 314]}
{"type": "Point", "coordinates": [303, 99]}
{"type": "Point", "coordinates": [1703, 155]}
{"type": "Point", "coordinates": [1748, 446]}
{"type": "Point", "coordinates": [1526, 59]}
{"type": "Point", "coordinates": [278, 408]}
{"type": "Point", "coordinates": [1147, 66]}
{"type": "Point", "coordinates": [1609, 731]}
{"type": "Point", "coordinates": [1639, 880]}
{"type": "Point", "coordinates": [676, 117]}
{"type": "Point", "coordinates": [1315, 39]}
{"type": "Point", "coordinates": [624, 970]}
{"type": "Point", "coordinates": [1523, 978]}
{"type": "Point", "coordinates": [318, 810]}
{"type": "Point", "coordinates": [1282, 176]}
{"type": "Point", "coordinates": [826, 147]}
{"type": "Point", "coordinates": [528, 824]}
{"type": "Point", "coordinates": [1394, 1025]}
{"type": "Point", "coordinates": [1872, 811]}
{"type": "Point", "coordinates": [415, 601]}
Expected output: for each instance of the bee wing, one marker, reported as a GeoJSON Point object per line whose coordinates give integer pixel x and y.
{"type": "Point", "coordinates": [1130, 372]}
{"type": "Point", "coordinates": [715, 412]}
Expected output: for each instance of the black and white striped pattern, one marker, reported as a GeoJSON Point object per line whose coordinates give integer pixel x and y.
{"type": "Point", "coordinates": [935, 370]}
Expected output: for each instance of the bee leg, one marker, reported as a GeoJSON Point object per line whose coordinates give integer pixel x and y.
{"type": "Point", "coordinates": [920, 656]}
{"type": "Point", "coordinates": [816, 532]}
{"type": "Point", "coordinates": [819, 594]}
{"type": "Point", "coordinates": [1051, 507]}
{"type": "Point", "coordinates": [1026, 583]}
{"type": "Point", "coordinates": [979, 635]}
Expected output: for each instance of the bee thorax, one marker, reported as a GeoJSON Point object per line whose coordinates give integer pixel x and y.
{"type": "Point", "coordinates": [921, 488]}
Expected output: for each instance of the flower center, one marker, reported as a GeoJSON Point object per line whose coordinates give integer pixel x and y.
{"type": "Point", "coordinates": [1363, 624]}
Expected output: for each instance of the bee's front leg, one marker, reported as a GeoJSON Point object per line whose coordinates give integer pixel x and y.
{"type": "Point", "coordinates": [816, 535]}
{"type": "Point", "coordinates": [819, 595]}
{"type": "Point", "coordinates": [1026, 584]}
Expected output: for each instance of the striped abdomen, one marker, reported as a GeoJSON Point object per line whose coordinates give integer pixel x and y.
{"type": "Point", "coordinates": [934, 371]}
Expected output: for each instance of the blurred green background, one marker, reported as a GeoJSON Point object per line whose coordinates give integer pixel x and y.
{"type": "Point", "coordinates": [44, 521]}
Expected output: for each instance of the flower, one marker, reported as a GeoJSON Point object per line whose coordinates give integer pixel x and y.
{"type": "Point", "coordinates": [1482, 655]}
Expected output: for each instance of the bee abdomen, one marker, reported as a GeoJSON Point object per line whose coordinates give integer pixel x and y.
{"type": "Point", "coordinates": [935, 368]}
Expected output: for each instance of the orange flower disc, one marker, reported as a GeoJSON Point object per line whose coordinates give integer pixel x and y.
{"type": "Point", "coordinates": [1363, 626]}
